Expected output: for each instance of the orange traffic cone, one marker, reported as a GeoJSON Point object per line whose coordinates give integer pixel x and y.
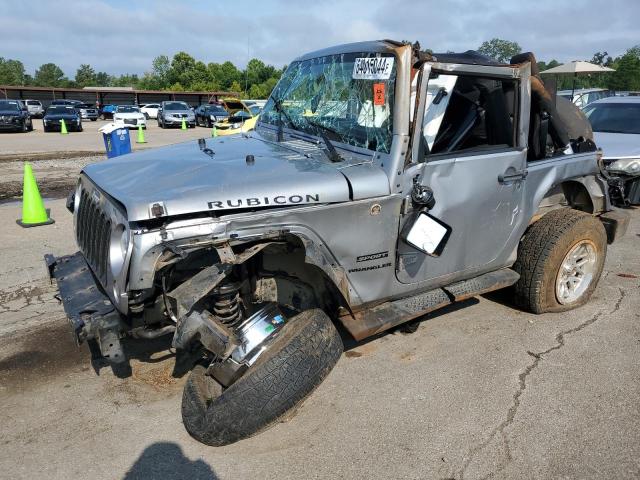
{"type": "Point", "coordinates": [33, 211]}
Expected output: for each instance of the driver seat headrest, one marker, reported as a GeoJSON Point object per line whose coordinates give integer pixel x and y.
{"type": "Point", "coordinates": [526, 57]}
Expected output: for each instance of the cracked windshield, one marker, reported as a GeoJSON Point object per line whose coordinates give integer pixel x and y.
{"type": "Point", "coordinates": [347, 97]}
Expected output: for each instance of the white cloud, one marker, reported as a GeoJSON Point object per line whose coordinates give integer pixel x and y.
{"type": "Point", "coordinates": [123, 36]}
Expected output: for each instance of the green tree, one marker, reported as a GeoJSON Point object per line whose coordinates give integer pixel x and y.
{"type": "Point", "coordinates": [602, 58]}
{"type": "Point", "coordinates": [49, 75]}
{"type": "Point", "coordinates": [85, 76]}
{"type": "Point", "coordinates": [125, 80]}
{"type": "Point", "coordinates": [103, 79]}
{"type": "Point", "coordinates": [161, 66]}
{"type": "Point", "coordinates": [12, 72]}
{"type": "Point", "coordinates": [627, 74]}
{"type": "Point", "coordinates": [499, 49]}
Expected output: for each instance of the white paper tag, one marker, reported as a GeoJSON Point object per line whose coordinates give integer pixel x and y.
{"type": "Point", "coordinates": [426, 234]}
{"type": "Point", "coordinates": [372, 68]}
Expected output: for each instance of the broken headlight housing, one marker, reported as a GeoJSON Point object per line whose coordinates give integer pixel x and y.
{"type": "Point", "coordinates": [630, 166]}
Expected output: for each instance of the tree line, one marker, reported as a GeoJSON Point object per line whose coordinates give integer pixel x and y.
{"type": "Point", "coordinates": [625, 78]}
{"type": "Point", "coordinates": [180, 73]}
{"type": "Point", "coordinates": [183, 72]}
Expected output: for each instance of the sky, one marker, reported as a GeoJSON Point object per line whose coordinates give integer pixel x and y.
{"type": "Point", "coordinates": [120, 36]}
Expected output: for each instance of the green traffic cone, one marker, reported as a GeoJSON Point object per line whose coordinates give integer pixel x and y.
{"type": "Point", "coordinates": [63, 127]}
{"type": "Point", "coordinates": [140, 135]}
{"type": "Point", "coordinates": [184, 124]}
{"type": "Point", "coordinates": [33, 211]}
{"type": "Point", "coordinates": [214, 132]}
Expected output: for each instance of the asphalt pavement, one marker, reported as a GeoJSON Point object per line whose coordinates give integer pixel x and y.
{"type": "Point", "coordinates": [481, 390]}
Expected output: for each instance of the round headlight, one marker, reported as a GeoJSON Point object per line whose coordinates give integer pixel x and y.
{"type": "Point", "coordinates": [118, 248]}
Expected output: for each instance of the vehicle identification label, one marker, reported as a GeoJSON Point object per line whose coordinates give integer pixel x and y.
{"type": "Point", "coordinates": [372, 68]}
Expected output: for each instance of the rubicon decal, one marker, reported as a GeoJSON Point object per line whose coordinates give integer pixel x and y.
{"type": "Point", "coordinates": [372, 256]}
{"type": "Point", "coordinates": [263, 201]}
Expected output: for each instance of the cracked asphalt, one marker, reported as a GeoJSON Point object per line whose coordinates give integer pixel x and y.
{"type": "Point", "coordinates": [481, 390]}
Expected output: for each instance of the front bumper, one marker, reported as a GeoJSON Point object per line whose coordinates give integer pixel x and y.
{"type": "Point", "coordinates": [89, 310]}
{"type": "Point", "coordinates": [178, 121]}
{"type": "Point", "coordinates": [10, 124]}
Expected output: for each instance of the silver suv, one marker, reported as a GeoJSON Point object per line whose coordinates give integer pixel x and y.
{"type": "Point", "coordinates": [172, 114]}
{"type": "Point", "coordinates": [34, 107]}
{"type": "Point", "coordinates": [381, 183]}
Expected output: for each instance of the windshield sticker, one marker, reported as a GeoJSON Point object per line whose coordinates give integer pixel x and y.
{"type": "Point", "coordinates": [378, 94]}
{"type": "Point", "coordinates": [372, 68]}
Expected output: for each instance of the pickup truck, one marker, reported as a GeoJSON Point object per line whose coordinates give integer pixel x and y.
{"type": "Point", "coordinates": [381, 183]}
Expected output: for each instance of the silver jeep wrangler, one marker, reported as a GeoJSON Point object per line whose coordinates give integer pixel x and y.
{"type": "Point", "coordinates": [381, 183]}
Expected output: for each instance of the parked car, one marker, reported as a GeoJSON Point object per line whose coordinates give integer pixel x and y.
{"type": "Point", "coordinates": [88, 111]}
{"type": "Point", "coordinates": [35, 108]}
{"type": "Point", "coordinates": [106, 111]}
{"type": "Point", "coordinates": [150, 110]}
{"type": "Point", "coordinates": [584, 96]}
{"type": "Point", "coordinates": [130, 116]}
{"type": "Point", "coordinates": [616, 129]}
{"type": "Point", "coordinates": [357, 203]}
{"type": "Point", "coordinates": [15, 116]}
{"type": "Point", "coordinates": [66, 101]}
{"type": "Point", "coordinates": [55, 113]}
{"type": "Point", "coordinates": [242, 118]}
{"type": "Point", "coordinates": [208, 114]}
{"type": "Point", "coordinates": [172, 113]}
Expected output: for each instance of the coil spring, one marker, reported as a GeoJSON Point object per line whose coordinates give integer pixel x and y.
{"type": "Point", "coordinates": [228, 306]}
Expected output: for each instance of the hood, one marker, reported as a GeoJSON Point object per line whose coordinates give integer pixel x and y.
{"type": "Point", "coordinates": [216, 175]}
{"type": "Point", "coordinates": [618, 145]}
{"type": "Point", "coordinates": [10, 112]}
{"type": "Point", "coordinates": [129, 114]}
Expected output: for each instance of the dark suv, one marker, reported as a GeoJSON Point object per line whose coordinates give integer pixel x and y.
{"type": "Point", "coordinates": [14, 116]}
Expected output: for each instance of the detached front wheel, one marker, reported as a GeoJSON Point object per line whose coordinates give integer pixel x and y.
{"type": "Point", "coordinates": [560, 260]}
{"type": "Point", "coordinates": [299, 358]}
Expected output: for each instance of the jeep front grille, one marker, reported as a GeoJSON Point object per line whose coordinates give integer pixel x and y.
{"type": "Point", "coordinates": [93, 231]}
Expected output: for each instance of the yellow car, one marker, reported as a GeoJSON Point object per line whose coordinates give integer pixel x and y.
{"type": "Point", "coordinates": [242, 118]}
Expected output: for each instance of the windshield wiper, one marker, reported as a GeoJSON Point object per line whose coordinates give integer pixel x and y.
{"type": "Point", "coordinates": [332, 153]}
{"type": "Point", "coordinates": [277, 104]}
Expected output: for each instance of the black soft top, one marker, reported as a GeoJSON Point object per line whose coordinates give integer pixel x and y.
{"type": "Point", "coordinates": [470, 57]}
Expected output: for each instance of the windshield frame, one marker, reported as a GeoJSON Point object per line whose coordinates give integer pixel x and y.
{"type": "Point", "coordinates": [127, 109]}
{"type": "Point", "coordinates": [345, 138]}
{"type": "Point", "coordinates": [176, 102]}
{"type": "Point", "coordinates": [612, 106]}
{"type": "Point", "coordinates": [61, 110]}
{"type": "Point", "coordinates": [15, 103]}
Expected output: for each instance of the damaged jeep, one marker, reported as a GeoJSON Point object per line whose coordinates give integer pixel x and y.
{"type": "Point", "coordinates": [381, 183]}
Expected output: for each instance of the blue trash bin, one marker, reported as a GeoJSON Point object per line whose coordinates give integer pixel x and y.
{"type": "Point", "coordinates": [116, 140]}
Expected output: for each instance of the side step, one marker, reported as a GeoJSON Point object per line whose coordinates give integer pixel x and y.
{"type": "Point", "coordinates": [374, 320]}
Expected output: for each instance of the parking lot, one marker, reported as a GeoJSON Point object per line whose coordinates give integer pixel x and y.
{"type": "Point", "coordinates": [57, 159]}
{"type": "Point", "coordinates": [482, 390]}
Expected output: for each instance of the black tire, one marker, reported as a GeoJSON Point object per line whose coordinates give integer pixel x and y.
{"type": "Point", "coordinates": [25, 127]}
{"type": "Point", "coordinates": [146, 115]}
{"type": "Point", "coordinates": [46, 129]}
{"type": "Point", "coordinates": [300, 357]}
{"type": "Point", "coordinates": [94, 119]}
{"type": "Point", "coordinates": [542, 251]}
{"type": "Point", "coordinates": [30, 125]}
{"type": "Point", "coordinates": [79, 128]}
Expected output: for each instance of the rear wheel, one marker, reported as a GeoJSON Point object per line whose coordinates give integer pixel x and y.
{"type": "Point", "coordinates": [560, 260]}
{"type": "Point", "coordinates": [300, 357]}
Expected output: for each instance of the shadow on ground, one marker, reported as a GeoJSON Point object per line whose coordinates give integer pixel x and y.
{"type": "Point", "coordinates": [166, 461]}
